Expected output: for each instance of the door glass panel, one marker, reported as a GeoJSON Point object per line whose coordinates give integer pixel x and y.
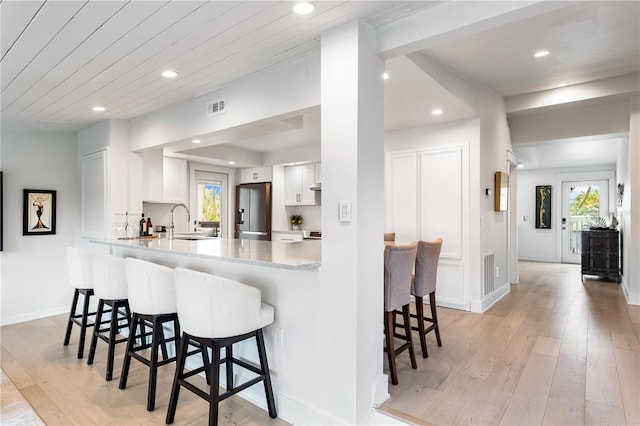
{"type": "Point", "coordinates": [209, 200]}
{"type": "Point", "coordinates": [584, 209]}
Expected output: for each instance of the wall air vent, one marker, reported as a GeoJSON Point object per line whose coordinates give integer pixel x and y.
{"type": "Point", "coordinates": [215, 107]}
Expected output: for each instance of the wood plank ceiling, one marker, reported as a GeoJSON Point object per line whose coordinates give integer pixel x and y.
{"type": "Point", "coordinates": [61, 58]}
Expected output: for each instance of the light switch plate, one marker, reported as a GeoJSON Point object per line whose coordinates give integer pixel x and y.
{"type": "Point", "coordinates": [344, 211]}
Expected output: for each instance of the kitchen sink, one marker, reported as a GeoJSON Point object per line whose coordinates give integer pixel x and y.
{"type": "Point", "coordinates": [193, 237]}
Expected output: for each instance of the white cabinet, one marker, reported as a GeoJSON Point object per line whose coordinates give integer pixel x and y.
{"type": "Point", "coordinates": [297, 180]}
{"type": "Point", "coordinates": [255, 175]}
{"type": "Point", "coordinates": [165, 179]}
{"type": "Point", "coordinates": [93, 201]}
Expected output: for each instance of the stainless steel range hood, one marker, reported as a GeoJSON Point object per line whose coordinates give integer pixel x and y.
{"type": "Point", "coordinates": [316, 187]}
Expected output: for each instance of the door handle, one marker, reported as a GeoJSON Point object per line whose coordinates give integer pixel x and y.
{"type": "Point", "coordinates": [241, 221]}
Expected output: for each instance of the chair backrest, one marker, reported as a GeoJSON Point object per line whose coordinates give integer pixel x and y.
{"type": "Point", "coordinates": [398, 267]}
{"type": "Point", "coordinates": [79, 263]}
{"type": "Point", "coordinates": [150, 287]}
{"type": "Point", "coordinates": [109, 276]}
{"type": "Point", "coordinates": [389, 236]}
{"type": "Point", "coordinates": [426, 267]}
{"type": "Point", "coordinates": [214, 307]}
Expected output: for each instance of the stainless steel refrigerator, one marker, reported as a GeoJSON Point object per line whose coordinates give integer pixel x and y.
{"type": "Point", "coordinates": [253, 211]}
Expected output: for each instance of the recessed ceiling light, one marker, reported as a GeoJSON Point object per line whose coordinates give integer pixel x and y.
{"type": "Point", "coordinates": [437, 111]}
{"type": "Point", "coordinates": [520, 165]}
{"type": "Point", "coordinates": [563, 84]}
{"type": "Point", "coordinates": [232, 162]}
{"type": "Point", "coordinates": [196, 141]}
{"type": "Point", "coordinates": [169, 74]}
{"type": "Point", "coordinates": [541, 53]}
{"type": "Point", "coordinates": [385, 76]}
{"type": "Point", "coordinates": [98, 108]}
{"type": "Point", "coordinates": [303, 8]}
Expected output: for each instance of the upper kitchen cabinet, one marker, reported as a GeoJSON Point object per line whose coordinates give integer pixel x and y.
{"type": "Point", "coordinates": [255, 175]}
{"type": "Point", "coordinates": [297, 181]}
{"type": "Point", "coordinates": [165, 179]}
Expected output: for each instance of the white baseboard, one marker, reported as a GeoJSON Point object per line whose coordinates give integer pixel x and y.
{"type": "Point", "coordinates": [536, 258]}
{"type": "Point", "coordinates": [481, 306]}
{"type": "Point", "coordinates": [633, 298]}
{"type": "Point", "coordinates": [33, 315]}
{"type": "Point", "coordinates": [380, 390]}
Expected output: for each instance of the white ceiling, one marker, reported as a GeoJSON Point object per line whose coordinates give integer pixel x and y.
{"type": "Point", "coordinates": [61, 58]}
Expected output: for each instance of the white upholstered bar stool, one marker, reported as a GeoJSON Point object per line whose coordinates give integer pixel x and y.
{"type": "Point", "coordinates": [152, 301]}
{"type": "Point", "coordinates": [80, 278]}
{"type": "Point", "coordinates": [218, 312]}
{"type": "Point", "coordinates": [424, 283]}
{"type": "Point", "coordinates": [110, 286]}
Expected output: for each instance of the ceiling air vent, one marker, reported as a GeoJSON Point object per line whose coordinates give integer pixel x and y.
{"type": "Point", "coordinates": [215, 107]}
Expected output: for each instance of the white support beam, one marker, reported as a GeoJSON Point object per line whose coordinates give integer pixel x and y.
{"type": "Point", "coordinates": [615, 86]}
{"type": "Point", "coordinates": [451, 20]}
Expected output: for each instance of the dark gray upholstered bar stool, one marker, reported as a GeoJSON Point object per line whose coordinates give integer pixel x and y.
{"type": "Point", "coordinates": [218, 312]}
{"type": "Point", "coordinates": [110, 286]}
{"type": "Point", "coordinates": [424, 283]}
{"type": "Point", "coordinates": [80, 278]}
{"type": "Point", "coordinates": [398, 267]}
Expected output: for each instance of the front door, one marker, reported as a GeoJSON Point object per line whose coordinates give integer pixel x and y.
{"type": "Point", "coordinates": [583, 202]}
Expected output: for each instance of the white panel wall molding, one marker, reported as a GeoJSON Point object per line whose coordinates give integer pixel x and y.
{"type": "Point", "coordinates": [425, 199]}
{"type": "Point", "coordinates": [93, 194]}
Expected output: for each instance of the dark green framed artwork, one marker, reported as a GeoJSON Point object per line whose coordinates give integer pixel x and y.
{"type": "Point", "coordinates": [543, 207]}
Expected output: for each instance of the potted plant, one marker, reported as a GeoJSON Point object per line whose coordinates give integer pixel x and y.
{"type": "Point", "coordinates": [296, 221]}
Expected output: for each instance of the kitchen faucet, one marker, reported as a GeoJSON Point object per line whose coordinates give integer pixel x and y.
{"type": "Point", "coordinates": [171, 218]}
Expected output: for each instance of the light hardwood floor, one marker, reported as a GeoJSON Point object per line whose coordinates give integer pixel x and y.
{"type": "Point", "coordinates": [554, 351]}
{"type": "Point", "coordinates": [64, 390]}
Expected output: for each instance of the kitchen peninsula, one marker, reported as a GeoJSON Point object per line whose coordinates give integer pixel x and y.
{"type": "Point", "coordinates": [288, 275]}
{"type": "Point", "coordinates": [298, 255]}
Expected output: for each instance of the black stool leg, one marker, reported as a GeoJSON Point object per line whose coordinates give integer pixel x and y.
{"type": "Point", "coordinates": [175, 389]}
{"type": "Point", "coordinates": [206, 363]}
{"type": "Point", "coordinates": [83, 326]}
{"type": "Point", "coordinates": [215, 384]}
{"type": "Point", "coordinates": [156, 339]}
{"type": "Point", "coordinates": [127, 354]}
{"type": "Point", "coordinates": [113, 332]}
{"type": "Point", "coordinates": [264, 365]}
{"type": "Point", "coordinates": [72, 313]}
{"type": "Point", "coordinates": [228, 351]}
{"type": "Point", "coordinates": [96, 331]}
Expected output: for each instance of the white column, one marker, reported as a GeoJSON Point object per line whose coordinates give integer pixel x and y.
{"type": "Point", "coordinates": [352, 254]}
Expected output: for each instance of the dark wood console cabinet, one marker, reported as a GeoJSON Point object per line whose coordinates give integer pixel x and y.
{"type": "Point", "coordinates": [601, 253]}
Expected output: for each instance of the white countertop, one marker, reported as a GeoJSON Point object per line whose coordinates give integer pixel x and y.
{"type": "Point", "coordinates": [298, 255]}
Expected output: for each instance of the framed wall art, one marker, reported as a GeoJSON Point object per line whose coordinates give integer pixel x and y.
{"type": "Point", "coordinates": [39, 212]}
{"type": "Point", "coordinates": [543, 207]}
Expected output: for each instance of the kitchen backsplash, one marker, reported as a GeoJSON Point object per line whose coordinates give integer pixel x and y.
{"type": "Point", "coordinates": [311, 218]}
{"type": "Point", "coordinates": [160, 213]}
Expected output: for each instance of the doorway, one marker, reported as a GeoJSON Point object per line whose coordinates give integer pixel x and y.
{"type": "Point", "coordinates": [211, 200]}
{"type": "Point", "coordinates": [583, 202]}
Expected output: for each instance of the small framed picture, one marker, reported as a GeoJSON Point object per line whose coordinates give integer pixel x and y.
{"type": "Point", "coordinates": [39, 212]}
{"type": "Point", "coordinates": [543, 207]}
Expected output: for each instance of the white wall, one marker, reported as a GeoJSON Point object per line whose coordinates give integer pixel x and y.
{"type": "Point", "coordinates": [545, 245]}
{"type": "Point", "coordinates": [34, 268]}
{"type": "Point", "coordinates": [629, 212]}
